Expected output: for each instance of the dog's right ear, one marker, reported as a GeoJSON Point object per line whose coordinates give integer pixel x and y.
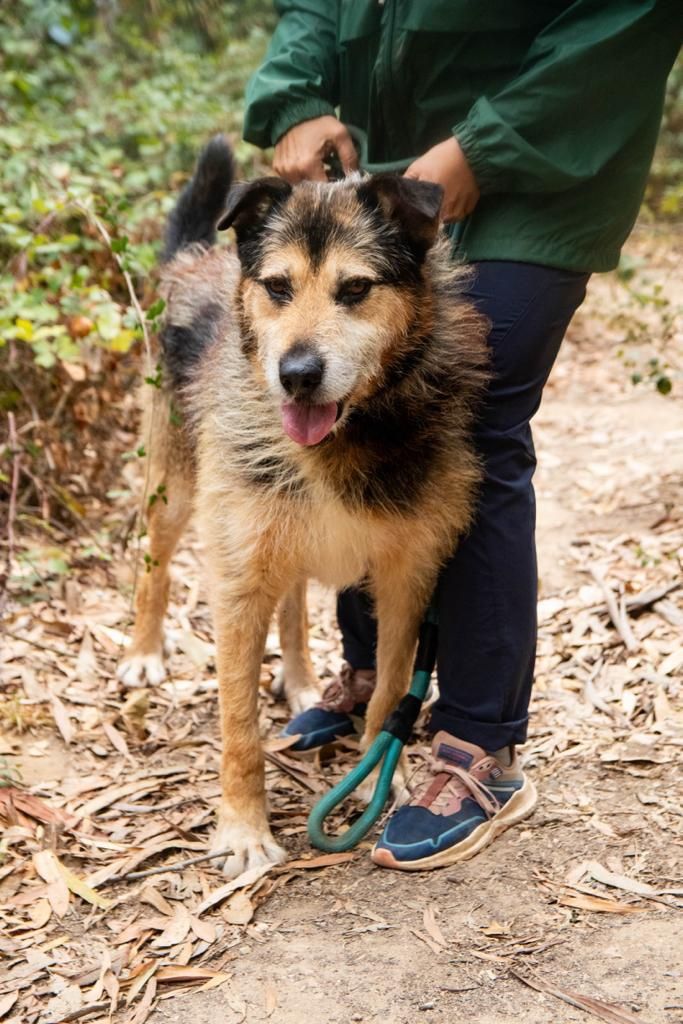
{"type": "Point", "coordinates": [250, 204]}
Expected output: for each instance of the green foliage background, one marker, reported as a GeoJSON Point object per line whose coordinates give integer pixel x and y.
{"type": "Point", "coordinates": [103, 107]}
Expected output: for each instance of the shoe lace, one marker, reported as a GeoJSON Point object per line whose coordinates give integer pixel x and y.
{"type": "Point", "coordinates": [454, 780]}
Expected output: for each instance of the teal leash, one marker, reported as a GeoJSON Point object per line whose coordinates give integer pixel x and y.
{"type": "Point", "coordinates": [385, 750]}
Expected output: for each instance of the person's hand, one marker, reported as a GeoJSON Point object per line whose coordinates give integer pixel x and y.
{"type": "Point", "coordinates": [301, 152]}
{"type": "Point", "coordinates": [447, 165]}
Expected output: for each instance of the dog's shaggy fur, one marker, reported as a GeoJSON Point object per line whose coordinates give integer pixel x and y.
{"type": "Point", "coordinates": [353, 279]}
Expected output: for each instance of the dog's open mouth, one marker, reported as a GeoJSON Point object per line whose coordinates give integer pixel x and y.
{"type": "Point", "coordinates": [309, 424]}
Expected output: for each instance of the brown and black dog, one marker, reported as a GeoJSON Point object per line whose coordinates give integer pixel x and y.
{"type": "Point", "coordinates": [327, 374]}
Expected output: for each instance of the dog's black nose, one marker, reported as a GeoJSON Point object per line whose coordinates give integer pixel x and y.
{"type": "Point", "coordinates": [301, 372]}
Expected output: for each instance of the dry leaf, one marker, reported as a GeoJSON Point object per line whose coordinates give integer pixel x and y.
{"type": "Point", "coordinates": [7, 1002]}
{"type": "Point", "coordinates": [117, 739]}
{"type": "Point", "coordinates": [582, 901]}
{"type": "Point", "coordinates": [149, 894]}
{"type": "Point", "coordinates": [176, 929]}
{"type": "Point", "coordinates": [634, 751]}
{"type": "Point", "coordinates": [110, 796]}
{"type": "Point", "coordinates": [198, 651]}
{"type": "Point", "coordinates": [617, 881]}
{"type": "Point", "coordinates": [606, 1011]}
{"type": "Point", "coordinates": [204, 930]}
{"type": "Point", "coordinates": [672, 662]}
{"type": "Point", "coordinates": [326, 860]}
{"type": "Point", "coordinates": [40, 913]}
{"type": "Point", "coordinates": [113, 641]}
{"type": "Point", "coordinates": [270, 998]}
{"type": "Point", "coordinates": [81, 888]}
{"type": "Point", "coordinates": [47, 866]}
{"type": "Point", "coordinates": [496, 930]}
{"type": "Point", "coordinates": [548, 608]}
{"type": "Point", "coordinates": [145, 1005]}
{"type": "Point", "coordinates": [31, 805]}
{"type": "Point", "coordinates": [431, 927]}
{"type": "Point", "coordinates": [276, 743]}
{"type": "Point", "coordinates": [184, 973]}
{"type": "Point", "coordinates": [219, 979]}
{"type": "Point", "coordinates": [62, 720]}
{"type": "Point", "coordinates": [135, 930]}
{"type": "Point", "coordinates": [239, 909]}
{"type": "Point", "coordinates": [428, 941]}
{"type": "Point", "coordinates": [64, 1003]}
{"type": "Point", "coordinates": [86, 663]}
{"type": "Point", "coordinates": [144, 975]}
{"type": "Point", "coordinates": [246, 878]}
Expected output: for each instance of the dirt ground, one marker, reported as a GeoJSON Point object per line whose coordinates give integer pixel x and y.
{"type": "Point", "coordinates": [582, 901]}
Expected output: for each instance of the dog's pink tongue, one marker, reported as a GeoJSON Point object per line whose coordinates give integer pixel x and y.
{"type": "Point", "coordinates": [308, 424]}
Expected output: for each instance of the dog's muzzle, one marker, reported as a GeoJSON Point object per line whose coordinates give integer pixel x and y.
{"type": "Point", "coordinates": [301, 373]}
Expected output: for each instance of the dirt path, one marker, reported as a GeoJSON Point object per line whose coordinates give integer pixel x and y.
{"type": "Point", "coordinates": [353, 943]}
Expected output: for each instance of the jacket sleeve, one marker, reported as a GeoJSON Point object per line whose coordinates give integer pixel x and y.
{"type": "Point", "coordinates": [592, 79]}
{"type": "Point", "coordinates": [298, 79]}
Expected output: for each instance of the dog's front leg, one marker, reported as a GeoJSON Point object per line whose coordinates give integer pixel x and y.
{"type": "Point", "coordinates": [402, 589]}
{"type": "Point", "coordinates": [241, 622]}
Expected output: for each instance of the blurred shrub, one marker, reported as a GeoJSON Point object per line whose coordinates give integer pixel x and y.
{"type": "Point", "coordinates": [103, 107]}
{"type": "Point", "coordinates": [665, 189]}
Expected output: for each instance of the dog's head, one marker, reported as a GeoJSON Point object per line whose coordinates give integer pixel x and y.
{"type": "Point", "coordinates": [332, 276]}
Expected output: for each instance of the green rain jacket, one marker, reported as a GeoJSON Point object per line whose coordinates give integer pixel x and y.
{"type": "Point", "coordinates": [556, 105]}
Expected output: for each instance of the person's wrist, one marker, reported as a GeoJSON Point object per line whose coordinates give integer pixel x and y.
{"type": "Point", "coordinates": [296, 113]}
{"type": "Point", "coordinates": [466, 138]}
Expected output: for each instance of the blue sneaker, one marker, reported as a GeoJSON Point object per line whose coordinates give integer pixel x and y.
{"type": "Point", "coordinates": [465, 799]}
{"type": "Point", "coordinates": [344, 699]}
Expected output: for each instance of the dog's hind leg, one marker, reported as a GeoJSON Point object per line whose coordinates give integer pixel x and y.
{"type": "Point", "coordinates": [242, 608]}
{"type": "Point", "coordinates": [170, 491]}
{"type": "Point", "coordinates": [298, 679]}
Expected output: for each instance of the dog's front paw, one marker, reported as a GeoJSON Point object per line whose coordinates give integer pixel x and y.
{"type": "Point", "coordinates": [301, 700]}
{"type": "Point", "coordinates": [137, 669]}
{"type": "Point", "coordinates": [249, 847]}
{"type": "Point", "coordinates": [300, 693]}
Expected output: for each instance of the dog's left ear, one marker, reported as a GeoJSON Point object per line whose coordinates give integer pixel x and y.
{"type": "Point", "coordinates": [413, 204]}
{"type": "Point", "coordinates": [250, 204]}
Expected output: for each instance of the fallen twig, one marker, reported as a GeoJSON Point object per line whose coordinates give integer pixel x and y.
{"type": "Point", "coordinates": [133, 876]}
{"type": "Point", "coordinates": [618, 615]}
{"type": "Point", "coordinates": [84, 1011]}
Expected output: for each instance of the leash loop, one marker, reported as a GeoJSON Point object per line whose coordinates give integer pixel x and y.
{"type": "Point", "coordinates": [383, 752]}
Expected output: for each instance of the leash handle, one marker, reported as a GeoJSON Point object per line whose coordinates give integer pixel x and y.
{"type": "Point", "coordinates": [385, 750]}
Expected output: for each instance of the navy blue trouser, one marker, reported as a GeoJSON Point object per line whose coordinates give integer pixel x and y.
{"type": "Point", "coordinates": [487, 591]}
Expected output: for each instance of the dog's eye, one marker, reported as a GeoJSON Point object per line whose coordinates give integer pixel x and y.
{"type": "Point", "coordinates": [354, 290]}
{"type": "Point", "coordinates": [278, 288]}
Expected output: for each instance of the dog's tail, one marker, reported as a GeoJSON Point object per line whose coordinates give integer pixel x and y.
{"type": "Point", "coordinates": [193, 221]}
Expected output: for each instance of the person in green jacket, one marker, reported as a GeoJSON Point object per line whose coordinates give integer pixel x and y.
{"type": "Point", "coordinates": [540, 122]}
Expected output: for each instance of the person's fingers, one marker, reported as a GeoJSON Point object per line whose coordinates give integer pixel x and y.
{"type": "Point", "coordinates": [313, 170]}
{"type": "Point", "coordinates": [413, 171]}
{"type": "Point", "coordinates": [346, 151]}
{"type": "Point", "coordinates": [287, 171]}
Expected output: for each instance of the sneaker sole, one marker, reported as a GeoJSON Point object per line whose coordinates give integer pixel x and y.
{"type": "Point", "coordinates": [517, 808]}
